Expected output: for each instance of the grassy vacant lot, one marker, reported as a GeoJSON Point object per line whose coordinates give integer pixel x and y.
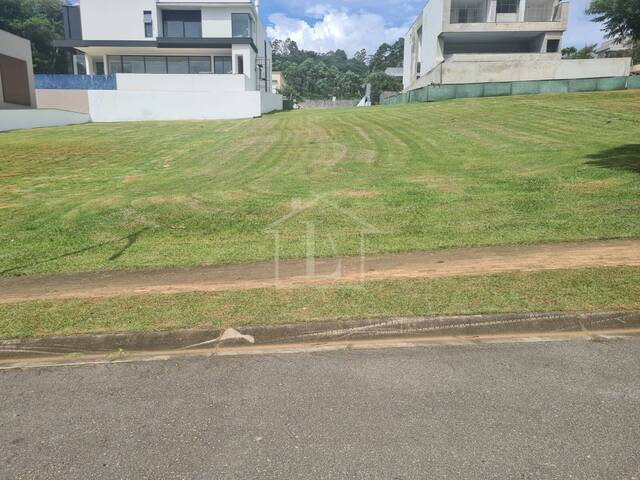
{"type": "Point", "coordinates": [460, 173]}
{"type": "Point", "coordinates": [579, 290]}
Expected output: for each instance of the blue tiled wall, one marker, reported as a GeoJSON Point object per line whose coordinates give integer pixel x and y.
{"type": "Point", "coordinates": [76, 82]}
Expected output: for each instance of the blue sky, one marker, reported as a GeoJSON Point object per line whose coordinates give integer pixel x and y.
{"type": "Point", "coordinates": [324, 25]}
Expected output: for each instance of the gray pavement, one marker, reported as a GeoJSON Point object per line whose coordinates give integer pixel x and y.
{"type": "Point", "coordinates": [535, 410]}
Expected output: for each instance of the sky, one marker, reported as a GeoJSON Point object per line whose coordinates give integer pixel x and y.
{"type": "Point", "coordinates": [351, 25]}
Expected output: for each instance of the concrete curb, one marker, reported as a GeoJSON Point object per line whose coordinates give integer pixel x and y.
{"type": "Point", "coordinates": [315, 332]}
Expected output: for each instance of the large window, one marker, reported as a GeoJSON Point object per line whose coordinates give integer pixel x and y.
{"type": "Point", "coordinates": [158, 64]}
{"type": "Point", "coordinates": [507, 6]}
{"type": "Point", "coordinates": [222, 65]}
{"type": "Point", "coordinates": [241, 25]}
{"type": "Point", "coordinates": [182, 23]}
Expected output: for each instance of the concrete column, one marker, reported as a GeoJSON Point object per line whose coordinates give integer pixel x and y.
{"type": "Point", "coordinates": [491, 11]}
{"type": "Point", "coordinates": [88, 61]}
{"type": "Point", "coordinates": [521, 9]}
{"type": "Point", "coordinates": [106, 65]}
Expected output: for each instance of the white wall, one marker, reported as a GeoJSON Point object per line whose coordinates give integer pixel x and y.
{"type": "Point", "coordinates": [463, 68]}
{"type": "Point", "coordinates": [18, 119]}
{"type": "Point", "coordinates": [180, 83]}
{"type": "Point", "coordinates": [122, 106]}
{"type": "Point", "coordinates": [116, 19]}
{"type": "Point", "coordinates": [20, 48]}
{"type": "Point", "coordinates": [270, 102]}
{"type": "Point", "coordinates": [432, 20]}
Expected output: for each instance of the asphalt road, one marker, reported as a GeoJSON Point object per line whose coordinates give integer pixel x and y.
{"type": "Point", "coordinates": [537, 410]}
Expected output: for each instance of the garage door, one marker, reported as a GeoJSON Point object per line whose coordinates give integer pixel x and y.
{"type": "Point", "coordinates": [15, 80]}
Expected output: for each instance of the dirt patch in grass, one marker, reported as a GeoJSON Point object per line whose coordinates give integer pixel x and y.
{"type": "Point", "coordinates": [595, 185]}
{"type": "Point", "coordinates": [358, 194]}
{"type": "Point", "coordinates": [436, 182]}
{"type": "Point", "coordinates": [291, 273]}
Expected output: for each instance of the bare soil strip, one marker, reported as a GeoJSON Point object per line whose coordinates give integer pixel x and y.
{"type": "Point", "coordinates": [327, 271]}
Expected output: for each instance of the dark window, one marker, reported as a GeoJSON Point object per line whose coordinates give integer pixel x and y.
{"type": "Point", "coordinates": [155, 64]}
{"type": "Point", "coordinates": [241, 25]}
{"type": "Point", "coordinates": [158, 64]}
{"type": "Point", "coordinates": [132, 64]}
{"type": "Point", "coordinates": [199, 64]}
{"type": "Point", "coordinates": [240, 64]}
{"type": "Point", "coordinates": [507, 6]}
{"type": "Point", "coordinates": [72, 23]}
{"type": "Point", "coordinates": [553, 46]}
{"type": "Point", "coordinates": [99, 68]}
{"type": "Point", "coordinates": [148, 24]}
{"type": "Point", "coordinates": [178, 64]}
{"type": "Point", "coordinates": [182, 23]}
{"type": "Point", "coordinates": [222, 65]}
{"type": "Point", "coordinates": [79, 65]}
{"type": "Point", "coordinates": [115, 64]}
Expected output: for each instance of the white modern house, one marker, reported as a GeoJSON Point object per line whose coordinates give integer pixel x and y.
{"type": "Point", "coordinates": [164, 60]}
{"type": "Point", "coordinates": [478, 41]}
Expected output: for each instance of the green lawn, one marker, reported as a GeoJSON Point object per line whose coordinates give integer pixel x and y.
{"type": "Point", "coordinates": [460, 173]}
{"type": "Point", "coordinates": [569, 290]}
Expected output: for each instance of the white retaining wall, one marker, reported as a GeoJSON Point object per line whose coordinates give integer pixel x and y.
{"type": "Point", "coordinates": [150, 82]}
{"type": "Point", "coordinates": [471, 68]}
{"type": "Point", "coordinates": [30, 118]}
{"type": "Point", "coordinates": [126, 106]}
{"type": "Point", "coordinates": [270, 102]}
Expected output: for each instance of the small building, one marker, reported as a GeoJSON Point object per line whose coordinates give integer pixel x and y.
{"type": "Point", "coordinates": [16, 72]}
{"type": "Point", "coordinates": [479, 41]}
{"type": "Point", "coordinates": [277, 82]}
{"type": "Point", "coordinates": [396, 72]}
{"type": "Point", "coordinates": [164, 60]}
{"type": "Point", "coordinates": [614, 49]}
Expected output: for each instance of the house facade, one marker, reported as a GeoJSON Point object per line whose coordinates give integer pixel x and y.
{"type": "Point", "coordinates": [477, 41]}
{"type": "Point", "coordinates": [165, 60]}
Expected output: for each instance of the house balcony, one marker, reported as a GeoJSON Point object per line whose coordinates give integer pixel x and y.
{"type": "Point", "coordinates": [501, 15]}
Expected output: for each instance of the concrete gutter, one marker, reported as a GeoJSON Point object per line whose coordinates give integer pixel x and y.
{"type": "Point", "coordinates": [311, 333]}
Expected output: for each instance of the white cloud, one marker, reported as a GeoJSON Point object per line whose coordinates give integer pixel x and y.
{"type": "Point", "coordinates": [335, 29]}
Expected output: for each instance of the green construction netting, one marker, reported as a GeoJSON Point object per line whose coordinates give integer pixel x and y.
{"type": "Point", "coordinates": [436, 93]}
{"type": "Point", "coordinates": [633, 82]}
{"type": "Point", "coordinates": [612, 83]}
{"type": "Point", "coordinates": [583, 85]}
{"type": "Point", "coordinates": [497, 89]}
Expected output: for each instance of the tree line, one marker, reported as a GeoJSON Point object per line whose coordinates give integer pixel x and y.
{"type": "Point", "coordinates": [313, 75]}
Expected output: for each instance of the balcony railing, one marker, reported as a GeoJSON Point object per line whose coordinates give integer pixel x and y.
{"type": "Point", "coordinates": [468, 15]}
{"type": "Point", "coordinates": [546, 12]}
{"type": "Point", "coordinates": [539, 13]}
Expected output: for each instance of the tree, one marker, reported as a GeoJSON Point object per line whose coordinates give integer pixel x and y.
{"type": "Point", "coordinates": [39, 21]}
{"type": "Point", "coordinates": [573, 53]}
{"type": "Point", "coordinates": [381, 82]}
{"type": "Point", "coordinates": [361, 56]}
{"type": "Point", "coordinates": [620, 18]}
{"type": "Point", "coordinates": [319, 75]}
{"type": "Point", "coordinates": [387, 56]}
